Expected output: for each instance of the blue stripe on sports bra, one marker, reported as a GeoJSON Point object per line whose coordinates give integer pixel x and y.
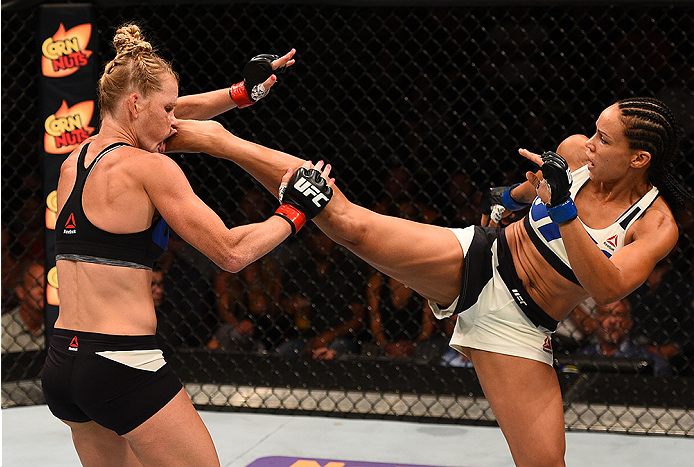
{"type": "Point", "coordinates": [160, 234]}
{"type": "Point", "coordinates": [548, 254]}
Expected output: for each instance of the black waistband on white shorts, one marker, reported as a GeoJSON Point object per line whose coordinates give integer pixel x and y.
{"type": "Point", "coordinates": [479, 257]}
{"type": "Point", "coordinates": [507, 271]}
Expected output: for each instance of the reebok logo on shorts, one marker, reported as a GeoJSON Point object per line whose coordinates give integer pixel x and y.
{"type": "Point", "coordinates": [547, 345]}
{"type": "Point", "coordinates": [74, 345]}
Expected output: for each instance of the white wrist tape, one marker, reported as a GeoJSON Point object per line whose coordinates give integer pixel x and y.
{"type": "Point", "coordinates": [497, 213]}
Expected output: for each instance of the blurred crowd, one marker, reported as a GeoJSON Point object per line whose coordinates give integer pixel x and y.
{"type": "Point", "coordinates": [312, 299]}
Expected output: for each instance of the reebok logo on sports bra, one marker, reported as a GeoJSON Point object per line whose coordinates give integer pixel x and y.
{"type": "Point", "coordinates": [70, 227]}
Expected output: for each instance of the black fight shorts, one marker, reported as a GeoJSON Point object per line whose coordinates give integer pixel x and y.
{"type": "Point", "coordinates": [117, 381]}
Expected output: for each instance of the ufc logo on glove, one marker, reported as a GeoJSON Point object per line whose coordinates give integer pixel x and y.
{"type": "Point", "coordinates": [305, 196]}
{"type": "Point", "coordinates": [305, 187]}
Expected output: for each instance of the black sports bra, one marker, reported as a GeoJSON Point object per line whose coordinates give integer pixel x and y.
{"type": "Point", "coordinates": [77, 239]}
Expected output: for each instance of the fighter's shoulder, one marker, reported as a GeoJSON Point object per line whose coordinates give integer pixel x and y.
{"type": "Point", "coordinates": [143, 163]}
{"type": "Point", "coordinates": [657, 220]}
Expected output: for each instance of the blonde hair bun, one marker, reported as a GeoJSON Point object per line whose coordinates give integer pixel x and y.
{"type": "Point", "coordinates": [130, 41]}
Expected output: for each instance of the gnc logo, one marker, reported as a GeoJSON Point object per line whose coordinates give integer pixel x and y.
{"type": "Point", "coordinates": [68, 127]}
{"type": "Point", "coordinates": [65, 52]}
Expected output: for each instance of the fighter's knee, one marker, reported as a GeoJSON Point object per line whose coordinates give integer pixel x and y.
{"type": "Point", "coordinates": [574, 144]}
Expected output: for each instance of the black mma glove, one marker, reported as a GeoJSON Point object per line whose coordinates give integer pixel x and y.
{"type": "Point", "coordinates": [255, 73]}
{"type": "Point", "coordinates": [492, 197]}
{"type": "Point", "coordinates": [305, 196]}
{"type": "Point", "coordinates": [499, 196]}
{"type": "Point", "coordinates": [557, 175]}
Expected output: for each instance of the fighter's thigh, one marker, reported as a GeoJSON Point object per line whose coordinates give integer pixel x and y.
{"type": "Point", "coordinates": [97, 446]}
{"type": "Point", "coordinates": [526, 400]}
{"type": "Point", "coordinates": [424, 257]}
{"type": "Point", "coordinates": [174, 436]}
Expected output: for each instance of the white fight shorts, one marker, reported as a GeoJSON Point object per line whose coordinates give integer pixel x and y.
{"type": "Point", "coordinates": [493, 314]}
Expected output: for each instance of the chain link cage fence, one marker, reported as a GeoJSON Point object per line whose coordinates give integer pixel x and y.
{"type": "Point", "coordinates": [418, 108]}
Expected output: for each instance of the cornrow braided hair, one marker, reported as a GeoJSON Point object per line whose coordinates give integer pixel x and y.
{"type": "Point", "coordinates": [136, 67]}
{"type": "Point", "coordinates": [650, 126]}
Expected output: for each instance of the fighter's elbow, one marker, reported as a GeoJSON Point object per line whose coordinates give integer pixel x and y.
{"type": "Point", "coordinates": [607, 297]}
{"type": "Point", "coordinates": [233, 260]}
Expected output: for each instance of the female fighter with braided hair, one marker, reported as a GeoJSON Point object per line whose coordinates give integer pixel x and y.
{"type": "Point", "coordinates": [104, 375]}
{"type": "Point", "coordinates": [511, 286]}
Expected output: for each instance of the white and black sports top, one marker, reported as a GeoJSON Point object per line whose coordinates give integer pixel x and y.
{"type": "Point", "coordinates": [547, 239]}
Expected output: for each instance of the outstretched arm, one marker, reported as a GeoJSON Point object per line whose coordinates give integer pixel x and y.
{"type": "Point", "coordinates": [207, 105]}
